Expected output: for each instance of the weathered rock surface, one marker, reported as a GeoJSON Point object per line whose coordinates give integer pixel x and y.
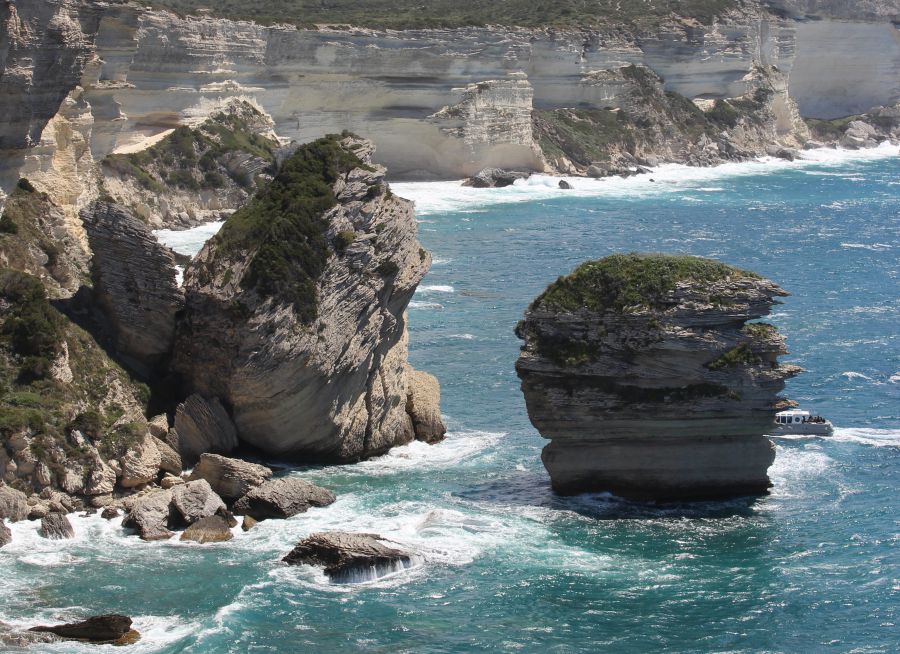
{"type": "Point", "coordinates": [150, 515]}
{"type": "Point", "coordinates": [5, 534]}
{"type": "Point", "coordinates": [141, 463]}
{"type": "Point", "coordinates": [423, 404]}
{"type": "Point", "coordinates": [349, 557]}
{"type": "Point", "coordinates": [196, 500]}
{"type": "Point", "coordinates": [230, 478]}
{"type": "Point", "coordinates": [169, 459]}
{"type": "Point", "coordinates": [303, 335]}
{"type": "Point", "coordinates": [134, 283]}
{"type": "Point", "coordinates": [283, 498]}
{"type": "Point", "coordinates": [13, 504]}
{"type": "Point", "coordinates": [56, 526]}
{"type": "Point", "coordinates": [495, 178]}
{"type": "Point", "coordinates": [211, 529]}
{"type": "Point", "coordinates": [203, 426]}
{"type": "Point", "coordinates": [642, 371]}
{"type": "Point", "coordinates": [96, 629]}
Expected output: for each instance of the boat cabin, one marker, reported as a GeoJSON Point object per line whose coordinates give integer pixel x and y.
{"type": "Point", "coordinates": [794, 416]}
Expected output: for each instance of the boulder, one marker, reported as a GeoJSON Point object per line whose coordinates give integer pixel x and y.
{"type": "Point", "coordinates": [100, 478]}
{"type": "Point", "coordinates": [13, 504]}
{"type": "Point", "coordinates": [859, 134]}
{"type": "Point", "coordinates": [423, 404]}
{"type": "Point", "coordinates": [109, 513]}
{"type": "Point", "coordinates": [495, 178]}
{"type": "Point", "coordinates": [97, 629]}
{"type": "Point", "coordinates": [6, 534]}
{"type": "Point", "coordinates": [282, 498]}
{"type": "Point", "coordinates": [348, 557]}
{"type": "Point", "coordinates": [230, 478]}
{"type": "Point", "coordinates": [141, 463]}
{"type": "Point", "coordinates": [150, 515]}
{"type": "Point", "coordinates": [641, 371]}
{"type": "Point", "coordinates": [159, 426]}
{"type": "Point", "coordinates": [170, 481]}
{"type": "Point", "coordinates": [169, 459]}
{"type": "Point", "coordinates": [203, 426]}
{"type": "Point", "coordinates": [563, 184]}
{"type": "Point", "coordinates": [195, 500]}
{"type": "Point", "coordinates": [211, 529]}
{"type": "Point", "coordinates": [56, 526]}
{"type": "Point", "coordinates": [779, 152]}
{"type": "Point", "coordinates": [248, 523]}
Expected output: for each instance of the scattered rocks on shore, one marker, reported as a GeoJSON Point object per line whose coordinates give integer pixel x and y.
{"type": "Point", "coordinates": [283, 498]}
{"type": "Point", "coordinates": [350, 557]}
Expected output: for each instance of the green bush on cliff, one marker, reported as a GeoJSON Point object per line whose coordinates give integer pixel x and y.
{"type": "Point", "coordinates": [283, 227]}
{"type": "Point", "coordinates": [624, 282]}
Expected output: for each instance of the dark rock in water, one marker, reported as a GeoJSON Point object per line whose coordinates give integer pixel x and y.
{"type": "Point", "coordinates": [641, 371]}
{"type": "Point", "coordinates": [495, 178]}
{"type": "Point", "coordinates": [348, 557]}
{"type": "Point", "coordinates": [782, 153]}
{"type": "Point", "coordinates": [228, 517]}
{"type": "Point", "coordinates": [97, 629]}
{"type": "Point", "coordinates": [134, 283]}
{"type": "Point", "coordinates": [5, 534]}
{"type": "Point", "coordinates": [203, 426]}
{"type": "Point", "coordinates": [13, 504]}
{"type": "Point", "coordinates": [109, 513]}
{"type": "Point", "coordinates": [212, 529]}
{"type": "Point", "coordinates": [56, 526]}
{"type": "Point", "coordinates": [248, 523]}
{"type": "Point", "coordinates": [282, 498]}
{"type": "Point", "coordinates": [230, 478]}
{"type": "Point", "coordinates": [563, 184]}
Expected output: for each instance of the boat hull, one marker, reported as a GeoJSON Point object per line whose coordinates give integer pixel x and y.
{"type": "Point", "coordinates": [803, 429]}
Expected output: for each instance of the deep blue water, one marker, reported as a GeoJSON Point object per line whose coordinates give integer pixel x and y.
{"type": "Point", "coordinates": [813, 567]}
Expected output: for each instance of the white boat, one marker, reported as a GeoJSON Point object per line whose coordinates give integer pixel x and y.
{"type": "Point", "coordinates": [795, 422]}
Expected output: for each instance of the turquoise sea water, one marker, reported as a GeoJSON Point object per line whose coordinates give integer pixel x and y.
{"type": "Point", "coordinates": [505, 565]}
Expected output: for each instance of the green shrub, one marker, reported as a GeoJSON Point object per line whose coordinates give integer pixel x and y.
{"type": "Point", "coordinates": [25, 185]}
{"type": "Point", "coordinates": [741, 355]}
{"type": "Point", "coordinates": [343, 240]}
{"type": "Point", "coordinates": [387, 268]}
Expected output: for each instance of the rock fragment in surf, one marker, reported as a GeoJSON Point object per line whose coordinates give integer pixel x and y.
{"type": "Point", "coordinates": [5, 534]}
{"type": "Point", "coordinates": [349, 557]}
{"type": "Point", "coordinates": [283, 498]}
{"type": "Point", "coordinates": [99, 629]}
{"type": "Point", "coordinates": [212, 529]}
{"type": "Point", "coordinates": [56, 526]}
{"type": "Point", "coordinates": [230, 478]}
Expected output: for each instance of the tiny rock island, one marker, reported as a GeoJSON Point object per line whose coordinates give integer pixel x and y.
{"type": "Point", "coordinates": [645, 375]}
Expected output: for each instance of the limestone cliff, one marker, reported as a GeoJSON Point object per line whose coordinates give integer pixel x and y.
{"type": "Point", "coordinates": [646, 377]}
{"type": "Point", "coordinates": [295, 311]}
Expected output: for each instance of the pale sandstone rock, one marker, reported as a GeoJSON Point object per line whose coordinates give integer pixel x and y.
{"type": "Point", "coordinates": [159, 426]}
{"type": "Point", "coordinates": [423, 404]}
{"type": "Point", "coordinates": [195, 500]}
{"type": "Point", "coordinates": [141, 463]}
{"type": "Point", "coordinates": [13, 504]}
{"type": "Point", "coordinates": [150, 515]}
{"type": "Point", "coordinates": [169, 459]}
{"type": "Point", "coordinates": [230, 478]}
{"type": "Point", "coordinates": [202, 426]}
{"type": "Point", "coordinates": [211, 529]}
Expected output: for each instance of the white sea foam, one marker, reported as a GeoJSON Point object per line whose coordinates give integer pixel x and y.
{"type": "Point", "coordinates": [188, 241]}
{"type": "Point", "coordinates": [668, 179]}
{"type": "Point", "coordinates": [436, 288]}
{"type": "Point", "coordinates": [850, 374]}
{"type": "Point", "coordinates": [464, 337]}
{"type": "Point", "coordinates": [874, 247]}
{"type": "Point", "coordinates": [415, 304]}
{"type": "Point", "coordinates": [868, 436]}
{"type": "Point", "coordinates": [895, 378]}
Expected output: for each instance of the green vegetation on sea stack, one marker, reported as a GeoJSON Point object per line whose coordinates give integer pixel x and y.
{"type": "Point", "coordinates": [284, 229]}
{"type": "Point", "coordinates": [413, 14]}
{"type": "Point", "coordinates": [622, 282]}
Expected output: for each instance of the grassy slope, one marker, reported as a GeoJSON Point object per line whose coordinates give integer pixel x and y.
{"type": "Point", "coordinates": [411, 14]}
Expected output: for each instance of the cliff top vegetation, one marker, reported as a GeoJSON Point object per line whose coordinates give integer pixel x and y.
{"type": "Point", "coordinates": [284, 226]}
{"type": "Point", "coordinates": [622, 281]}
{"type": "Point", "coordinates": [417, 14]}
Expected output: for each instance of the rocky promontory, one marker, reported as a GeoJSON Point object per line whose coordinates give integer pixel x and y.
{"type": "Point", "coordinates": [650, 383]}
{"type": "Point", "coordinates": [294, 313]}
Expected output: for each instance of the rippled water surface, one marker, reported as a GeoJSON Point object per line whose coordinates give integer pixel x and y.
{"type": "Point", "coordinates": [507, 566]}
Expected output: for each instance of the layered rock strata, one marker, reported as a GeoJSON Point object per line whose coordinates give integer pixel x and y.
{"type": "Point", "coordinates": [295, 319]}
{"type": "Point", "coordinates": [645, 375]}
{"type": "Point", "coordinates": [350, 557]}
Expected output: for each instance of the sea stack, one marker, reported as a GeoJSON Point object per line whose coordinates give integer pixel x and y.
{"type": "Point", "coordinates": [644, 373]}
{"type": "Point", "coordinates": [295, 311]}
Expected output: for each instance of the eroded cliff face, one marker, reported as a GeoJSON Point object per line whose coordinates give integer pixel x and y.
{"type": "Point", "coordinates": [151, 71]}
{"type": "Point", "coordinates": [646, 377]}
{"type": "Point", "coordinates": [296, 320]}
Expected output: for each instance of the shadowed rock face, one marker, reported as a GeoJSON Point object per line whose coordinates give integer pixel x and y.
{"type": "Point", "coordinates": [96, 629]}
{"type": "Point", "coordinates": [642, 371]}
{"type": "Point", "coordinates": [349, 557]}
{"type": "Point", "coordinates": [295, 319]}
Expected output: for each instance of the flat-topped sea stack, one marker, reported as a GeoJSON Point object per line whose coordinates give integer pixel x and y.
{"type": "Point", "coordinates": [645, 375]}
{"type": "Point", "coordinates": [294, 316]}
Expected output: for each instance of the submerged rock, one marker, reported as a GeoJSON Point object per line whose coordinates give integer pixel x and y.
{"type": "Point", "coordinates": [348, 557]}
{"type": "Point", "coordinates": [283, 498]}
{"type": "Point", "coordinates": [642, 372]}
{"type": "Point", "coordinates": [230, 478]}
{"type": "Point", "coordinates": [56, 526]}
{"type": "Point", "coordinates": [97, 629]}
